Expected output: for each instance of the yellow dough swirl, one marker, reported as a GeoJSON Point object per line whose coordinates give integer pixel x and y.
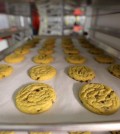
{"type": "Point", "coordinates": [42, 72]}
{"type": "Point", "coordinates": [75, 59]}
{"type": "Point", "coordinates": [99, 98]}
{"type": "Point", "coordinates": [115, 70]}
{"type": "Point", "coordinates": [104, 59]}
{"type": "Point", "coordinates": [35, 98]}
{"type": "Point", "coordinates": [5, 70]}
{"type": "Point", "coordinates": [81, 73]}
{"type": "Point", "coordinates": [14, 58]}
{"type": "Point", "coordinates": [43, 59]}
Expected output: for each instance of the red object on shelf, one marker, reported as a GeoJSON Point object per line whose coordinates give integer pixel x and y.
{"type": "Point", "coordinates": [78, 12]}
{"type": "Point", "coordinates": [35, 20]}
{"type": "Point", "coordinates": [77, 28]}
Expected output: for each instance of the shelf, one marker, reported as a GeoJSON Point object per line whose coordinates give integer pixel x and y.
{"type": "Point", "coordinates": [9, 33]}
{"type": "Point", "coordinates": [108, 31]}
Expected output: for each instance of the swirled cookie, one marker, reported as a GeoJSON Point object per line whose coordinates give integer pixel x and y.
{"type": "Point", "coordinates": [99, 98]}
{"type": "Point", "coordinates": [22, 50]}
{"type": "Point", "coordinates": [43, 59]}
{"type": "Point", "coordinates": [75, 59]}
{"type": "Point", "coordinates": [5, 70]}
{"type": "Point", "coordinates": [87, 45]}
{"type": "Point", "coordinates": [14, 58]}
{"type": "Point", "coordinates": [104, 59]}
{"type": "Point", "coordinates": [115, 70]}
{"type": "Point", "coordinates": [71, 51]}
{"type": "Point", "coordinates": [35, 98]}
{"type": "Point", "coordinates": [42, 72]}
{"type": "Point", "coordinates": [81, 73]}
{"type": "Point", "coordinates": [78, 132]}
{"type": "Point", "coordinates": [45, 51]}
{"type": "Point", "coordinates": [40, 133]}
{"type": "Point", "coordinates": [7, 132]}
{"type": "Point", "coordinates": [96, 51]}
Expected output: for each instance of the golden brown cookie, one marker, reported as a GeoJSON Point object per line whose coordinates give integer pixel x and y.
{"type": "Point", "coordinates": [45, 51]}
{"type": "Point", "coordinates": [42, 72]}
{"type": "Point", "coordinates": [78, 132]}
{"type": "Point", "coordinates": [43, 59]}
{"type": "Point", "coordinates": [35, 98]}
{"type": "Point", "coordinates": [95, 51]}
{"type": "Point", "coordinates": [5, 70]}
{"type": "Point", "coordinates": [81, 73]}
{"type": "Point", "coordinates": [7, 132]}
{"type": "Point", "coordinates": [99, 98]}
{"type": "Point", "coordinates": [71, 51]}
{"type": "Point", "coordinates": [22, 50]}
{"type": "Point", "coordinates": [14, 58]}
{"type": "Point", "coordinates": [75, 59]}
{"type": "Point", "coordinates": [115, 70]}
{"type": "Point", "coordinates": [104, 59]}
{"type": "Point", "coordinates": [40, 133]}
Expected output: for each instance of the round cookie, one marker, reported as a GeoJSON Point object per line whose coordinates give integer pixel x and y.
{"type": "Point", "coordinates": [40, 133]}
{"type": "Point", "coordinates": [45, 51]}
{"type": "Point", "coordinates": [14, 58]}
{"type": "Point", "coordinates": [43, 59]}
{"type": "Point", "coordinates": [71, 51]}
{"type": "Point", "coordinates": [95, 51]}
{"type": "Point", "coordinates": [5, 70]}
{"type": "Point", "coordinates": [87, 45]}
{"type": "Point", "coordinates": [99, 98]}
{"type": "Point", "coordinates": [75, 59]}
{"type": "Point", "coordinates": [43, 72]}
{"type": "Point", "coordinates": [104, 59]}
{"type": "Point", "coordinates": [22, 50]}
{"type": "Point", "coordinates": [7, 132]}
{"type": "Point", "coordinates": [35, 98]}
{"type": "Point", "coordinates": [115, 70]}
{"type": "Point", "coordinates": [81, 73]}
{"type": "Point", "coordinates": [78, 132]}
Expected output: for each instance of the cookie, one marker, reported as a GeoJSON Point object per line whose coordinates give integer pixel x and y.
{"type": "Point", "coordinates": [115, 70]}
{"type": "Point", "coordinates": [96, 51]}
{"type": "Point", "coordinates": [40, 133]}
{"type": "Point", "coordinates": [115, 132]}
{"type": "Point", "coordinates": [5, 70]}
{"type": "Point", "coordinates": [71, 51]}
{"type": "Point", "coordinates": [43, 59]}
{"type": "Point", "coordinates": [104, 59]}
{"type": "Point", "coordinates": [68, 46]}
{"type": "Point", "coordinates": [7, 132]}
{"type": "Point", "coordinates": [22, 50]}
{"type": "Point", "coordinates": [75, 59]}
{"type": "Point", "coordinates": [81, 73]}
{"type": "Point", "coordinates": [42, 72]}
{"type": "Point", "coordinates": [99, 98]}
{"type": "Point", "coordinates": [87, 45]}
{"type": "Point", "coordinates": [78, 132]}
{"type": "Point", "coordinates": [14, 58]}
{"type": "Point", "coordinates": [45, 51]}
{"type": "Point", "coordinates": [35, 98]}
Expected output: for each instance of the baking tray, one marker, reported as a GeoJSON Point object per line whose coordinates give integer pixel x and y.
{"type": "Point", "coordinates": [67, 112]}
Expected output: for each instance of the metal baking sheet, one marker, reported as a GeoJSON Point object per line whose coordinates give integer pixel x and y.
{"type": "Point", "coordinates": [67, 112]}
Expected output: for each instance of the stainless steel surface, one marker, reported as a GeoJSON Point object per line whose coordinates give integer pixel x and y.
{"type": "Point", "coordinates": [106, 126]}
{"type": "Point", "coordinates": [108, 31]}
{"type": "Point", "coordinates": [106, 47]}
